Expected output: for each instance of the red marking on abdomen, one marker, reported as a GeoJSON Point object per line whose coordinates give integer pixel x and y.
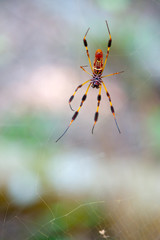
{"type": "Point", "coordinates": [99, 54]}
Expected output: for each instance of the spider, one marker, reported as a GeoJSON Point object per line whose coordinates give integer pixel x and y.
{"type": "Point", "coordinates": [96, 81]}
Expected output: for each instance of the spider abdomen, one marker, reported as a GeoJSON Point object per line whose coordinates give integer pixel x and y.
{"type": "Point", "coordinates": [98, 62]}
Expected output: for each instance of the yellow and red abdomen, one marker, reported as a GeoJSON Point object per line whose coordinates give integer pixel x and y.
{"type": "Point", "coordinates": [98, 62]}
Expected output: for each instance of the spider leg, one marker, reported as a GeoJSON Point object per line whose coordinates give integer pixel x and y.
{"type": "Point", "coordinates": [112, 108]}
{"type": "Point", "coordinates": [76, 113]}
{"type": "Point", "coordinates": [71, 98]}
{"type": "Point", "coordinates": [86, 46]}
{"type": "Point", "coordinates": [82, 67]}
{"type": "Point", "coordinates": [112, 74]}
{"type": "Point", "coordinates": [98, 104]}
{"type": "Point", "coordinates": [109, 45]}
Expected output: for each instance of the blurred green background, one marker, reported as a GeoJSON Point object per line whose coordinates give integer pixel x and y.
{"type": "Point", "coordinates": [85, 186]}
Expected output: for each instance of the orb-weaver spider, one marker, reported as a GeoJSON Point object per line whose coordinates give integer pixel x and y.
{"type": "Point", "coordinates": [95, 81]}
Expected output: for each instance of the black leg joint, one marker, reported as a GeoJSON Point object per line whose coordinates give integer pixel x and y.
{"type": "Point", "coordinates": [109, 42]}
{"type": "Point", "coordinates": [84, 97]}
{"type": "Point", "coordinates": [112, 109]}
{"type": "Point", "coordinates": [75, 115]}
{"type": "Point", "coordinates": [108, 94]}
{"type": "Point", "coordinates": [96, 117]}
{"type": "Point", "coordinates": [71, 98]}
{"type": "Point", "coordinates": [85, 42]}
{"type": "Point", "coordinates": [78, 87]}
{"type": "Point", "coordinates": [99, 97]}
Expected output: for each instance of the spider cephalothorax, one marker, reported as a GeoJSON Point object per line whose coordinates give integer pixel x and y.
{"type": "Point", "coordinates": [95, 82]}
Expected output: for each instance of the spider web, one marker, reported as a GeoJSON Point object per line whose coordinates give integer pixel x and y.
{"type": "Point", "coordinates": [122, 205]}
{"type": "Point", "coordinates": [120, 222]}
